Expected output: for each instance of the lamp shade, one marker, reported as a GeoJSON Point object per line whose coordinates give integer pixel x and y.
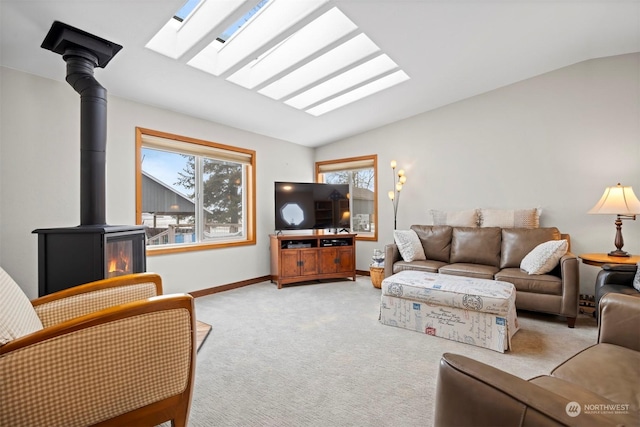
{"type": "Point", "coordinates": [618, 200]}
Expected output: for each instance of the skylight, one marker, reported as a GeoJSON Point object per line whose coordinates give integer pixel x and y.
{"type": "Point", "coordinates": [295, 49]}
{"type": "Point", "coordinates": [240, 22]}
{"type": "Point", "coordinates": [344, 81]}
{"type": "Point", "coordinates": [359, 93]}
{"type": "Point", "coordinates": [344, 55]}
{"type": "Point", "coordinates": [186, 9]}
{"type": "Point", "coordinates": [271, 25]}
{"type": "Point", "coordinates": [307, 54]}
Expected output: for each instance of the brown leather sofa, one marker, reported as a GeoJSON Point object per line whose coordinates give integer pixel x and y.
{"type": "Point", "coordinates": [496, 253]}
{"type": "Point", "coordinates": [599, 386]}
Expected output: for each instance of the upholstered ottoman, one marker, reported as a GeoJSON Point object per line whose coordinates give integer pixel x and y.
{"type": "Point", "coordinates": [475, 311]}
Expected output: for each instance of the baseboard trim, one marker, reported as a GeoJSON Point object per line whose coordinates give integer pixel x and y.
{"type": "Point", "coordinates": [236, 285]}
{"type": "Point", "coordinates": [228, 287]}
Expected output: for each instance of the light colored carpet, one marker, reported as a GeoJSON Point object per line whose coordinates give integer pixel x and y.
{"type": "Point", "coordinates": [316, 355]}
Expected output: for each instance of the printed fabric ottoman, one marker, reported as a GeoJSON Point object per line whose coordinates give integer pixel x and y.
{"type": "Point", "coordinates": [480, 312]}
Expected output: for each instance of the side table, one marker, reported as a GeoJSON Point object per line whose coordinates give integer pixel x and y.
{"type": "Point", "coordinates": [377, 275]}
{"type": "Point", "coordinates": [599, 260]}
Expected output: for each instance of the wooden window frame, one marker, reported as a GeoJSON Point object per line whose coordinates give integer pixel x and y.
{"type": "Point", "coordinates": [250, 209]}
{"type": "Point", "coordinates": [351, 163]}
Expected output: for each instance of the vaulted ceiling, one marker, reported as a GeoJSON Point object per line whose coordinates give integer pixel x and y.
{"type": "Point", "coordinates": [450, 49]}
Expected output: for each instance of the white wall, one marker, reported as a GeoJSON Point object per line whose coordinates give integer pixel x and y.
{"type": "Point", "coordinates": [554, 141]}
{"type": "Point", "coordinates": [40, 179]}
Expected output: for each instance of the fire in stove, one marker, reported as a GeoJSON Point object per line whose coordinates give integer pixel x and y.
{"type": "Point", "coordinates": [119, 256]}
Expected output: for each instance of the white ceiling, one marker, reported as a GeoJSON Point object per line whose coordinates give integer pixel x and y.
{"type": "Point", "coordinates": [451, 49]}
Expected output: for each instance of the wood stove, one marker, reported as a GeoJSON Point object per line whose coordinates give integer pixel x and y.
{"type": "Point", "coordinates": [93, 250]}
{"type": "Point", "coordinates": [71, 256]}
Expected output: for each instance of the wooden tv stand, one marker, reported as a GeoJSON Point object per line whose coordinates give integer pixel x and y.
{"type": "Point", "coordinates": [304, 257]}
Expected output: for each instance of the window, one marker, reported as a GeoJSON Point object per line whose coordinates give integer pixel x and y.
{"type": "Point", "coordinates": [193, 194]}
{"type": "Point", "coordinates": [222, 38]}
{"type": "Point", "coordinates": [185, 10]}
{"type": "Point", "coordinates": [360, 173]}
{"type": "Point", "coordinates": [307, 54]}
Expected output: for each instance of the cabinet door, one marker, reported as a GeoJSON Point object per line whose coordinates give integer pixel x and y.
{"type": "Point", "coordinates": [328, 260]}
{"type": "Point", "coordinates": [346, 263]}
{"type": "Point", "coordinates": [308, 261]}
{"type": "Point", "coordinates": [290, 266]}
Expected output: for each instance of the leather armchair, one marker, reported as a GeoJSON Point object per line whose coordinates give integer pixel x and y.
{"type": "Point", "coordinates": [471, 393]}
{"type": "Point", "coordinates": [617, 278]}
{"type": "Point", "coordinates": [110, 353]}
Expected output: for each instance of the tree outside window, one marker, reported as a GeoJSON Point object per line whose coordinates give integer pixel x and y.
{"type": "Point", "coordinates": [221, 193]}
{"type": "Point", "coordinates": [194, 194]}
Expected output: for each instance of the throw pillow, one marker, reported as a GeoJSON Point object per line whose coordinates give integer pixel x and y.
{"type": "Point", "coordinates": [544, 257]}
{"type": "Point", "coordinates": [636, 279]}
{"type": "Point", "coordinates": [17, 316]}
{"type": "Point", "coordinates": [409, 245]}
{"type": "Point", "coordinates": [510, 218]}
{"type": "Point", "coordinates": [468, 218]}
{"type": "Point", "coordinates": [518, 242]}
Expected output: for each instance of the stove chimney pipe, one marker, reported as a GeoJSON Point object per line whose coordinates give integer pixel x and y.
{"type": "Point", "coordinates": [83, 52]}
{"type": "Point", "coordinates": [93, 135]}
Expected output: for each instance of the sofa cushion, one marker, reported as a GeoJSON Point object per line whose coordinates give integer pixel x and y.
{"type": "Point", "coordinates": [478, 271]}
{"type": "Point", "coordinates": [518, 242]}
{"type": "Point", "coordinates": [508, 218]}
{"type": "Point", "coordinates": [409, 245]}
{"type": "Point", "coordinates": [636, 278]}
{"type": "Point", "coordinates": [544, 257]}
{"type": "Point", "coordinates": [17, 316]}
{"type": "Point", "coordinates": [436, 240]}
{"type": "Point", "coordinates": [427, 265]}
{"type": "Point", "coordinates": [615, 365]}
{"type": "Point", "coordinates": [468, 218]}
{"type": "Point", "coordinates": [539, 284]}
{"type": "Point", "coordinates": [476, 245]}
{"type": "Point", "coordinates": [618, 289]}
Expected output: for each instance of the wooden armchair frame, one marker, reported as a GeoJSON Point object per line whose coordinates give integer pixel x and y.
{"type": "Point", "coordinates": [131, 362]}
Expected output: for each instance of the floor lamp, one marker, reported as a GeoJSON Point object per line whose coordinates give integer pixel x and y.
{"type": "Point", "coordinates": [398, 181]}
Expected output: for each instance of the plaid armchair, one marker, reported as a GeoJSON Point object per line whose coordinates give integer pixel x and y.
{"type": "Point", "coordinates": [112, 352]}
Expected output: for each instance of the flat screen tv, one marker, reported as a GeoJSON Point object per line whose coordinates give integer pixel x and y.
{"type": "Point", "coordinates": [311, 206]}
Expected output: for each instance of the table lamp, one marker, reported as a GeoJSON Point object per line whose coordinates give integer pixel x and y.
{"type": "Point", "coordinates": [622, 202]}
